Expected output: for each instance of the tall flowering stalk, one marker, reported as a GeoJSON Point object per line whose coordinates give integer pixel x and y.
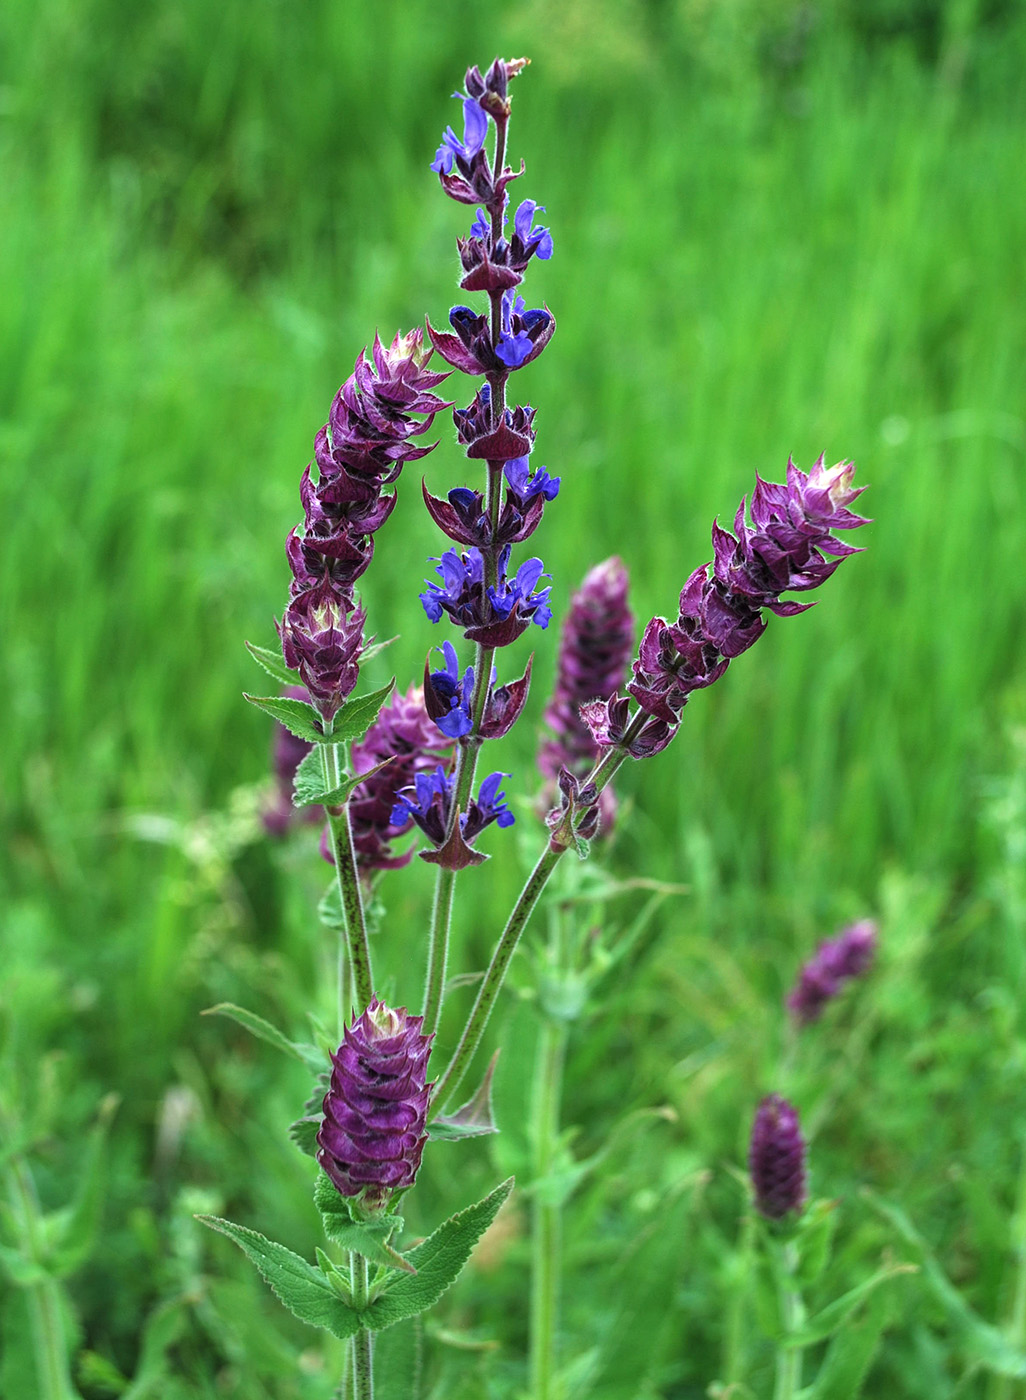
{"type": "Point", "coordinates": [385, 767]}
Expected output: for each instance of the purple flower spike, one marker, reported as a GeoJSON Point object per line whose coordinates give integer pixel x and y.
{"type": "Point", "coordinates": [375, 1111]}
{"type": "Point", "coordinates": [776, 1159]}
{"type": "Point", "coordinates": [594, 657]}
{"type": "Point", "coordinates": [836, 961]}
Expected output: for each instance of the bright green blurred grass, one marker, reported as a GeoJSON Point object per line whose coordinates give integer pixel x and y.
{"type": "Point", "coordinates": [772, 237]}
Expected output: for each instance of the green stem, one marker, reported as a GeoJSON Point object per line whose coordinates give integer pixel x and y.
{"type": "Point", "coordinates": [363, 1342]}
{"type": "Point", "coordinates": [789, 1359]}
{"type": "Point", "coordinates": [490, 987]}
{"type": "Point", "coordinates": [735, 1332]}
{"type": "Point", "coordinates": [349, 891]}
{"type": "Point", "coordinates": [438, 948]}
{"type": "Point", "coordinates": [546, 1216]}
{"type": "Point", "coordinates": [49, 1344]}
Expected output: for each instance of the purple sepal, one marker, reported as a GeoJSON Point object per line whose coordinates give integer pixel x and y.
{"type": "Point", "coordinates": [322, 637]}
{"type": "Point", "coordinates": [776, 1159]}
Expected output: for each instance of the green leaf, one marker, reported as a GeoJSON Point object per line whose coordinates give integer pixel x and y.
{"type": "Point", "coordinates": [358, 714]}
{"type": "Point", "coordinates": [438, 1261]}
{"type": "Point", "coordinates": [309, 785]}
{"type": "Point", "coordinates": [983, 1342]}
{"type": "Point", "coordinates": [297, 716]}
{"type": "Point", "coordinates": [367, 1237]}
{"type": "Point", "coordinates": [303, 1133]}
{"type": "Point", "coordinates": [163, 1328]}
{"type": "Point", "coordinates": [274, 664]}
{"type": "Point", "coordinates": [71, 1232]}
{"type": "Point", "coordinates": [850, 1355]}
{"type": "Point", "coordinates": [472, 1119]}
{"type": "Point", "coordinates": [303, 1289]}
{"type": "Point", "coordinates": [330, 911]}
{"type": "Point", "coordinates": [308, 1055]}
{"type": "Point", "coordinates": [22, 1272]}
{"type": "Point", "coordinates": [835, 1315]}
{"type": "Point", "coordinates": [814, 1241]}
{"type": "Point", "coordinates": [398, 1362]}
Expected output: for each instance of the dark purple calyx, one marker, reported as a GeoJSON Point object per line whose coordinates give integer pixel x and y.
{"type": "Point", "coordinates": [375, 1111]}
{"type": "Point", "coordinates": [776, 1159]}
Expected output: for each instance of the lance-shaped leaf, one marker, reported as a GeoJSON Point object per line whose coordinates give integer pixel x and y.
{"type": "Point", "coordinates": [274, 664]}
{"type": "Point", "coordinates": [438, 1261]}
{"type": "Point", "coordinates": [297, 716]}
{"type": "Point", "coordinates": [836, 1314]}
{"type": "Point", "coordinates": [472, 1119]}
{"type": "Point", "coordinates": [367, 1237]}
{"type": "Point", "coordinates": [851, 1354]}
{"type": "Point", "coordinates": [309, 785]}
{"type": "Point", "coordinates": [306, 1054]}
{"type": "Point", "coordinates": [304, 1290]}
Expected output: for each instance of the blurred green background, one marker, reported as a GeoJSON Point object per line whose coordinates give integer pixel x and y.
{"type": "Point", "coordinates": [780, 228]}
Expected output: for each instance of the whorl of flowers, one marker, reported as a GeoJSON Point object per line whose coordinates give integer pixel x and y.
{"type": "Point", "coordinates": [776, 1159]}
{"type": "Point", "coordinates": [836, 961]}
{"type": "Point", "coordinates": [787, 547]}
{"type": "Point", "coordinates": [595, 649]}
{"type": "Point", "coordinates": [359, 451]}
{"type": "Point", "coordinates": [375, 1111]}
{"type": "Point", "coordinates": [404, 733]}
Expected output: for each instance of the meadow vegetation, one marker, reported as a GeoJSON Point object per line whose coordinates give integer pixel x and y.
{"type": "Point", "coordinates": [783, 228]}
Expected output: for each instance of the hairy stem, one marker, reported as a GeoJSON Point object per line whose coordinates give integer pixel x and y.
{"type": "Point", "coordinates": [438, 948]}
{"type": "Point", "coordinates": [363, 1342]}
{"type": "Point", "coordinates": [789, 1359]}
{"type": "Point", "coordinates": [546, 1216]}
{"type": "Point", "coordinates": [49, 1344]}
{"type": "Point", "coordinates": [349, 891]}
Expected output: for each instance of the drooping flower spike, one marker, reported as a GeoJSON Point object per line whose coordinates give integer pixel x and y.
{"type": "Point", "coordinates": [836, 961]}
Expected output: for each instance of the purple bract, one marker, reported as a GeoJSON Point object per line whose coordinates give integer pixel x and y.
{"type": "Point", "coordinates": [776, 1159]}
{"type": "Point", "coordinates": [375, 1111]}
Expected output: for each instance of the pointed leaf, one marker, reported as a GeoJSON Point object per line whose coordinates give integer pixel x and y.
{"type": "Point", "coordinates": [836, 1314]}
{"type": "Point", "coordinates": [982, 1341]}
{"type": "Point", "coordinates": [297, 716]}
{"type": "Point", "coordinates": [263, 1030]}
{"type": "Point", "coordinates": [309, 785]}
{"type": "Point", "coordinates": [358, 714]}
{"type": "Point", "coordinates": [303, 1133]}
{"type": "Point", "coordinates": [303, 1289]}
{"type": "Point", "coordinates": [274, 664]}
{"type": "Point", "coordinates": [850, 1355]}
{"type": "Point", "coordinates": [367, 1237]}
{"type": "Point", "coordinates": [438, 1261]}
{"type": "Point", "coordinates": [472, 1119]}
{"type": "Point", "coordinates": [375, 648]}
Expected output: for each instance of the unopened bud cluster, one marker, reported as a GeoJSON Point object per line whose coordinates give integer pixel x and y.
{"type": "Point", "coordinates": [836, 961]}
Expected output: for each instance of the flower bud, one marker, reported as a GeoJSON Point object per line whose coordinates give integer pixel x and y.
{"type": "Point", "coordinates": [776, 1159]}
{"type": "Point", "coordinates": [835, 962]}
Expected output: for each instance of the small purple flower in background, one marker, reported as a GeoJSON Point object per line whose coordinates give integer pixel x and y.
{"type": "Point", "coordinates": [429, 803]}
{"type": "Point", "coordinates": [595, 650]}
{"type": "Point", "coordinates": [836, 961]}
{"type": "Point", "coordinates": [287, 753]}
{"type": "Point", "coordinates": [375, 1111]}
{"type": "Point", "coordinates": [776, 1159]}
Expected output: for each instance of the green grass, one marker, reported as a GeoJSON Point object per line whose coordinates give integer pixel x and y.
{"type": "Point", "coordinates": [772, 237]}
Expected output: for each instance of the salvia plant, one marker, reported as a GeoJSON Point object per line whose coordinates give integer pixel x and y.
{"type": "Point", "coordinates": [402, 770]}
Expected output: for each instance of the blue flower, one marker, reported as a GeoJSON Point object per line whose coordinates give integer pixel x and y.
{"type": "Point", "coordinates": [456, 692]}
{"type": "Point", "coordinates": [426, 787]}
{"type": "Point", "coordinates": [475, 128]}
{"type": "Point", "coordinates": [525, 487]}
{"type": "Point", "coordinates": [509, 593]}
{"type": "Point", "coordinates": [481, 227]}
{"type": "Point", "coordinates": [491, 803]}
{"type": "Point", "coordinates": [523, 220]}
{"type": "Point", "coordinates": [462, 593]}
{"type": "Point", "coordinates": [512, 349]}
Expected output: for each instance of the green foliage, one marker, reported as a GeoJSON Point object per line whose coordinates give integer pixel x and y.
{"type": "Point", "coordinates": [310, 786]}
{"type": "Point", "coordinates": [274, 664]}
